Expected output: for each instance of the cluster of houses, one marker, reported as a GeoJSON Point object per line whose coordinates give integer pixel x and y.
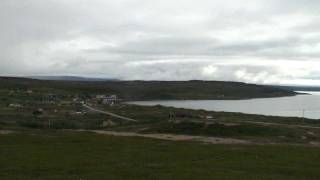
{"type": "Point", "coordinates": [53, 98]}
{"type": "Point", "coordinates": [15, 105]}
{"type": "Point", "coordinates": [107, 100]}
{"type": "Point", "coordinates": [182, 115]}
{"type": "Point", "coordinates": [28, 91]}
{"type": "Point", "coordinates": [77, 99]}
{"type": "Point", "coordinates": [68, 99]}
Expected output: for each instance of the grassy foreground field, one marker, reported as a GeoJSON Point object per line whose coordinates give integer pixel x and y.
{"type": "Point", "coordinates": [38, 154]}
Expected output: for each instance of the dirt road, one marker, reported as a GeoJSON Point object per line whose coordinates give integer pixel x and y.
{"type": "Point", "coordinates": [173, 137]}
{"type": "Point", "coordinates": [4, 132]}
{"type": "Point", "coordinates": [109, 113]}
{"type": "Point", "coordinates": [278, 124]}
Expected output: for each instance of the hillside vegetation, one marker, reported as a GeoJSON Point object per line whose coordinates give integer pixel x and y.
{"type": "Point", "coordinates": [47, 131]}
{"type": "Point", "coordinates": [150, 90]}
{"type": "Point", "coordinates": [68, 155]}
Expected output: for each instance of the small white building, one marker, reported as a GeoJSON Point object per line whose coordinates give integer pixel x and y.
{"type": "Point", "coordinates": [209, 117]}
{"type": "Point", "coordinates": [111, 100]}
{"type": "Point", "coordinates": [100, 96]}
{"type": "Point", "coordinates": [15, 105]}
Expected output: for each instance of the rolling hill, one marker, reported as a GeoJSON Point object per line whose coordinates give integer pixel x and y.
{"type": "Point", "coordinates": [150, 90]}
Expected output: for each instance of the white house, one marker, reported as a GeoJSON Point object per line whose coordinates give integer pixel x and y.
{"type": "Point", "coordinates": [111, 100]}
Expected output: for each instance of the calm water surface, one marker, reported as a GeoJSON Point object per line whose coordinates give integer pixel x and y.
{"type": "Point", "coordinates": [295, 106]}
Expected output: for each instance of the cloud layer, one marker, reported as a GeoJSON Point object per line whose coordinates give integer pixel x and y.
{"type": "Point", "coordinates": [261, 41]}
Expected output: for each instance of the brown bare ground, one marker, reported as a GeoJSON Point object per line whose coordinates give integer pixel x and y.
{"type": "Point", "coordinates": [3, 132]}
{"type": "Point", "coordinates": [174, 137]}
{"type": "Point", "coordinates": [278, 124]}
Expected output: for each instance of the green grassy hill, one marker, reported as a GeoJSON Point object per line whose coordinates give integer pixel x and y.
{"type": "Point", "coordinates": [68, 155]}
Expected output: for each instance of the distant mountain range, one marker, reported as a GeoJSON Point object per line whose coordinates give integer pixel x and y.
{"type": "Point", "coordinates": [70, 78]}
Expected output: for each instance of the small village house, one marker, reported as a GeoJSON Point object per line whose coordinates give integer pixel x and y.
{"type": "Point", "coordinates": [110, 100]}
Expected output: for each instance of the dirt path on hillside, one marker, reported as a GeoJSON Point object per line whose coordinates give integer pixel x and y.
{"type": "Point", "coordinates": [4, 132]}
{"type": "Point", "coordinates": [173, 137]}
{"type": "Point", "coordinates": [279, 124]}
{"type": "Point", "coordinates": [108, 113]}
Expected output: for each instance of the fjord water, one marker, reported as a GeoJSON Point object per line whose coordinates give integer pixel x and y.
{"type": "Point", "coordinates": [307, 105]}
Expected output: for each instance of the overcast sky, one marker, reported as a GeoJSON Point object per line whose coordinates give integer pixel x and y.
{"type": "Point", "coordinates": [255, 41]}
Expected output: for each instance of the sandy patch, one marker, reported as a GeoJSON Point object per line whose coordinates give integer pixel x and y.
{"type": "Point", "coordinates": [231, 124]}
{"type": "Point", "coordinates": [3, 132]}
{"type": "Point", "coordinates": [285, 125]}
{"type": "Point", "coordinates": [174, 137]}
{"type": "Point", "coordinates": [315, 143]}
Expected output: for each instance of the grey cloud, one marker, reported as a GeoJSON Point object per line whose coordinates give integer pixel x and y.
{"type": "Point", "coordinates": [164, 46]}
{"type": "Point", "coordinates": [172, 46]}
{"type": "Point", "coordinates": [116, 38]}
